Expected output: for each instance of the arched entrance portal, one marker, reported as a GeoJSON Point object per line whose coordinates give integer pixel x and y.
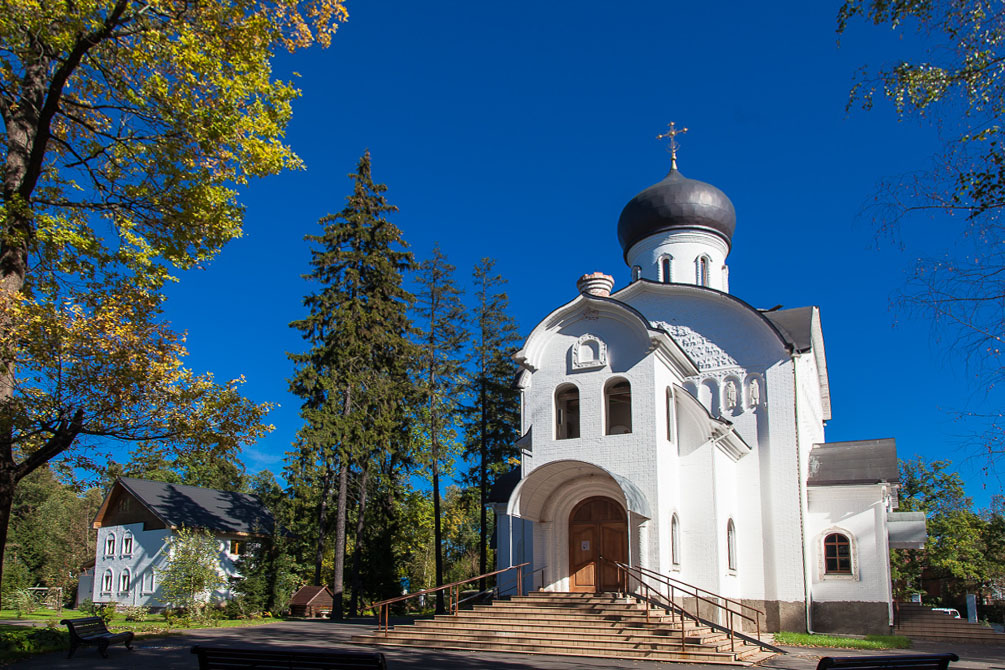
{"type": "Point", "coordinates": [597, 527]}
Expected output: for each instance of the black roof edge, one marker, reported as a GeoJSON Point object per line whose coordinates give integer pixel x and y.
{"type": "Point", "coordinates": [789, 346]}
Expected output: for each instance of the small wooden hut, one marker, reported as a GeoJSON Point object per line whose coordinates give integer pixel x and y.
{"type": "Point", "coordinates": [312, 601]}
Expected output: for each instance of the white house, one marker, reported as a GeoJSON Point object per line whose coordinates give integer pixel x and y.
{"type": "Point", "coordinates": [671, 425]}
{"type": "Point", "coordinates": [138, 516]}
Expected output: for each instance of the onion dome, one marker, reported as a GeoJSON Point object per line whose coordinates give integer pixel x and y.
{"type": "Point", "coordinates": [676, 203]}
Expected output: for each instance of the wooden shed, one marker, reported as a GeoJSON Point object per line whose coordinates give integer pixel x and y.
{"type": "Point", "coordinates": [312, 601]}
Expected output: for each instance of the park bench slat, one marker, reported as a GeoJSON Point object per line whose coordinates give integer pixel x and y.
{"type": "Point", "coordinates": [898, 662]}
{"type": "Point", "coordinates": [93, 631]}
{"type": "Point", "coordinates": [273, 658]}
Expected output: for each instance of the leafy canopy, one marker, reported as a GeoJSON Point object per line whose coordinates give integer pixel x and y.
{"type": "Point", "coordinates": [956, 82]}
{"type": "Point", "coordinates": [127, 128]}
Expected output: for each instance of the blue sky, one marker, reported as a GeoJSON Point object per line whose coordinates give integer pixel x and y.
{"type": "Point", "coordinates": [519, 131]}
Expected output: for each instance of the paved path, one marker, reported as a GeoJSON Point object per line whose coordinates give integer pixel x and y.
{"type": "Point", "coordinates": [172, 652]}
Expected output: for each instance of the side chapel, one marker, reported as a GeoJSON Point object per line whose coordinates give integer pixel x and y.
{"type": "Point", "coordinates": [672, 426]}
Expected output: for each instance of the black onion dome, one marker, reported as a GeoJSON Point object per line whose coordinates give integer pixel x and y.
{"type": "Point", "coordinates": [676, 203]}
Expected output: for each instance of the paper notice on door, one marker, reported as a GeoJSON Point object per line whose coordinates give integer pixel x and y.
{"type": "Point", "coordinates": [585, 545]}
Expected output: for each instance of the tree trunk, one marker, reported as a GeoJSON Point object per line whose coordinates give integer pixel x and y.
{"type": "Point", "coordinates": [437, 537]}
{"type": "Point", "coordinates": [354, 579]}
{"type": "Point", "coordinates": [326, 491]}
{"type": "Point", "coordinates": [483, 485]}
{"type": "Point", "coordinates": [338, 587]}
{"type": "Point", "coordinates": [7, 484]}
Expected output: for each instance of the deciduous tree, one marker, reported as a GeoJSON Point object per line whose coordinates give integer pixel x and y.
{"type": "Point", "coordinates": [191, 572]}
{"type": "Point", "coordinates": [957, 82]}
{"type": "Point", "coordinates": [127, 127]}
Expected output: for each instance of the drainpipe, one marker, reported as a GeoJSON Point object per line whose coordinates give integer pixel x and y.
{"type": "Point", "coordinates": [807, 582]}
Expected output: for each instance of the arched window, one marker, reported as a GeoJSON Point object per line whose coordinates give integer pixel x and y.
{"type": "Point", "coordinates": [671, 416]}
{"type": "Point", "coordinates": [566, 412]}
{"type": "Point", "coordinates": [106, 581]}
{"type": "Point", "coordinates": [636, 272]}
{"type": "Point", "coordinates": [702, 270]}
{"type": "Point", "coordinates": [731, 545]}
{"type": "Point", "coordinates": [127, 545]}
{"type": "Point", "coordinates": [148, 582]}
{"type": "Point", "coordinates": [837, 554]}
{"type": "Point", "coordinates": [675, 540]}
{"type": "Point", "coordinates": [124, 580]}
{"type": "Point", "coordinates": [618, 404]}
{"type": "Point", "coordinates": [665, 269]}
{"type": "Point", "coordinates": [110, 544]}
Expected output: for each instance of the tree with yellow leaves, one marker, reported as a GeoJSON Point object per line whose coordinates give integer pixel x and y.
{"type": "Point", "coordinates": [128, 126]}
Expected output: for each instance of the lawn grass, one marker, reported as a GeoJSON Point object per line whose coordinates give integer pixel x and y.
{"type": "Point", "coordinates": [45, 635]}
{"type": "Point", "coordinates": [841, 642]}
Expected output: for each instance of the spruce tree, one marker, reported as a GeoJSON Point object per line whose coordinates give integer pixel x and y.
{"type": "Point", "coordinates": [441, 345]}
{"type": "Point", "coordinates": [356, 367]}
{"type": "Point", "coordinates": [492, 420]}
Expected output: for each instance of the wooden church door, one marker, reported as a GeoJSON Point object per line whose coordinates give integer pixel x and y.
{"type": "Point", "coordinates": [597, 527]}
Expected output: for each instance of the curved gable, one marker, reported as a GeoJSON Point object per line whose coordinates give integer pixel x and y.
{"type": "Point", "coordinates": [587, 307]}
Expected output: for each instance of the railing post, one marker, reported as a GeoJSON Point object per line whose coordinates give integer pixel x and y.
{"type": "Point", "coordinates": [519, 580]}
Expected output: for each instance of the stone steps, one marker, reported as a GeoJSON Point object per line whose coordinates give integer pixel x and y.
{"type": "Point", "coordinates": [921, 623]}
{"type": "Point", "coordinates": [572, 624]}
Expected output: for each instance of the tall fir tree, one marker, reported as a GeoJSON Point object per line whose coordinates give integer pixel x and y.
{"type": "Point", "coordinates": [492, 420]}
{"type": "Point", "coordinates": [441, 343]}
{"type": "Point", "coordinates": [356, 367]}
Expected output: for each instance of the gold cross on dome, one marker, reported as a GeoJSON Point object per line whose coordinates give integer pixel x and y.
{"type": "Point", "coordinates": [671, 134]}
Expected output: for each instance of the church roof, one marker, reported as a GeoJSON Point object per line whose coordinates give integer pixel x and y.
{"type": "Point", "coordinates": [503, 486]}
{"type": "Point", "coordinates": [177, 505]}
{"type": "Point", "coordinates": [795, 325]}
{"type": "Point", "coordinates": [855, 462]}
{"type": "Point", "coordinates": [675, 203]}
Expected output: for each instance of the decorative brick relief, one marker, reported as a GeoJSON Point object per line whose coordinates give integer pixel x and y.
{"type": "Point", "coordinates": [589, 352]}
{"type": "Point", "coordinates": [706, 354]}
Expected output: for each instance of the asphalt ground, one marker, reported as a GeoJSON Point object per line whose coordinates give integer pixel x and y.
{"type": "Point", "coordinates": [173, 652]}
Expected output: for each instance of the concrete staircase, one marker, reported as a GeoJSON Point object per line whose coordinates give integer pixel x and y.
{"type": "Point", "coordinates": [919, 622]}
{"type": "Point", "coordinates": [571, 624]}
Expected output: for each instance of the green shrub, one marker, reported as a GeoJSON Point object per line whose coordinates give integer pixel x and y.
{"type": "Point", "coordinates": [134, 612]}
{"type": "Point", "coordinates": [107, 611]}
{"type": "Point", "coordinates": [15, 644]}
{"type": "Point", "coordinates": [87, 607]}
{"type": "Point", "coordinates": [22, 601]}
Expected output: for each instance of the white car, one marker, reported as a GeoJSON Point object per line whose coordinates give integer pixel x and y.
{"type": "Point", "coordinates": [955, 613]}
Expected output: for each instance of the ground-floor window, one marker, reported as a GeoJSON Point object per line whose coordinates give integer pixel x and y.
{"type": "Point", "coordinates": [837, 554]}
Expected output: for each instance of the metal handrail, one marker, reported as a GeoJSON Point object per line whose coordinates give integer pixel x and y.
{"type": "Point", "coordinates": [669, 600]}
{"type": "Point", "coordinates": [382, 607]}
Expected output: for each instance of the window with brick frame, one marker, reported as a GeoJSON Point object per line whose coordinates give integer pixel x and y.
{"type": "Point", "coordinates": [837, 554]}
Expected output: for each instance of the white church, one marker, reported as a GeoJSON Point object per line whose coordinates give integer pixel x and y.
{"type": "Point", "coordinates": [668, 424]}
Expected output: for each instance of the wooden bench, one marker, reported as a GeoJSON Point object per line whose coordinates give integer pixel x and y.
{"type": "Point", "coordinates": [276, 658]}
{"type": "Point", "coordinates": [898, 662]}
{"type": "Point", "coordinates": [92, 630]}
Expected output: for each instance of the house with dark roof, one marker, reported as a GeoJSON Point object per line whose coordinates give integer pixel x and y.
{"type": "Point", "coordinates": [136, 520]}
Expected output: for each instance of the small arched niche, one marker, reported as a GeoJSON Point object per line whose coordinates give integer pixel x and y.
{"type": "Point", "coordinates": [588, 353]}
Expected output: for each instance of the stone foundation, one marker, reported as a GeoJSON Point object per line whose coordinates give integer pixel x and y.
{"type": "Point", "coordinates": [779, 615]}
{"type": "Point", "coordinates": [861, 618]}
